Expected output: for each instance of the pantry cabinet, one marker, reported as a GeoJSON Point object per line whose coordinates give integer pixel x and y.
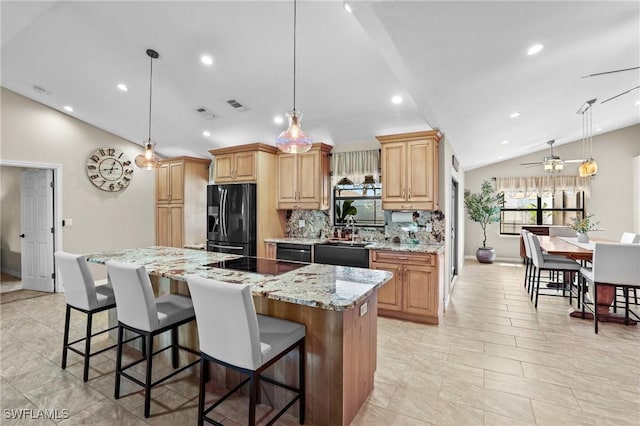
{"type": "Point", "coordinates": [409, 165]}
{"type": "Point", "coordinates": [414, 291]}
{"type": "Point", "coordinates": [303, 179]}
{"type": "Point", "coordinates": [181, 201]}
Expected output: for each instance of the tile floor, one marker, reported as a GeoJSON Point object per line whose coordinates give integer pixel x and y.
{"type": "Point", "coordinates": [494, 360]}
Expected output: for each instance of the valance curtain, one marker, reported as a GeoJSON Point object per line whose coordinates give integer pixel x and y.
{"type": "Point", "coordinates": [355, 165]}
{"type": "Point", "coordinates": [539, 184]}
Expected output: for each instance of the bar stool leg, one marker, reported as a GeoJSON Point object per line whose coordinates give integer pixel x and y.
{"type": "Point", "coordinates": [204, 373]}
{"type": "Point", "coordinates": [116, 391]}
{"type": "Point", "coordinates": [147, 387]}
{"type": "Point", "coordinates": [87, 347]}
{"type": "Point", "coordinates": [253, 394]}
{"type": "Point", "coordinates": [537, 289]}
{"type": "Point", "coordinates": [175, 356]}
{"type": "Point", "coordinates": [65, 342]}
{"type": "Point", "coordinates": [303, 392]}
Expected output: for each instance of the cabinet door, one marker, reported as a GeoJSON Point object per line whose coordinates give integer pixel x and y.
{"type": "Point", "coordinates": [162, 184]}
{"type": "Point", "coordinates": [393, 172]}
{"type": "Point", "coordinates": [309, 177]}
{"type": "Point", "coordinates": [176, 220]}
{"type": "Point", "coordinates": [287, 178]}
{"type": "Point", "coordinates": [245, 166]}
{"type": "Point", "coordinates": [420, 290]}
{"type": "Point", "coordinates": [420, 173]}
{"type": "Point", "coordinates": [223, 168]}
{"type": "Point", "coordinates": [176, 182]}
{"type": "Point", "coordinates": [390, 294]}
{"type": "Point", "coordinates": [163, 223]}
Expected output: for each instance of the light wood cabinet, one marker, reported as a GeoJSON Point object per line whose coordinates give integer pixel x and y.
{"type": "Point", "coordinates": [270, 250]}
{"type": "Point", "coordinates": [409, 164]}
{"type": "Point", "coordinates": [254, 163]}
{"type": "Point", "coordinates": [235, 167]}
{"type": "Point", "coordinates": [181, 201]}
{"type": "Point", "coordinates": [303, 179]}
{"type": "Point", "coordinates": [414, 291]}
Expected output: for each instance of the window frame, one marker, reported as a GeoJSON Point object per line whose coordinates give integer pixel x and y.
{"type": "Point", "coordinates": [539, 210]}
{"type": "Point", "coordinates": [377, 198]}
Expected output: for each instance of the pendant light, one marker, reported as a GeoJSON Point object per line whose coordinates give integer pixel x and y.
{"type": "Point", "coordinates": [294, 140]}
{"type": "Point", "coordinates": [149, 160]}
{"type": "Point", "coordinates": [589, 167]}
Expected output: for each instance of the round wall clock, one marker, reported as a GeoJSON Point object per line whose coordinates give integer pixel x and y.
{"type": "Point", "coordinates": [109, 169]}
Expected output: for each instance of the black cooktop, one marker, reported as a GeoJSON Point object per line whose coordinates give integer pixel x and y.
{"type": "Point", "coordinates": [260, 266]}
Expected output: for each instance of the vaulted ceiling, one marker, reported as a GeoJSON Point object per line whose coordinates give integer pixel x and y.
{"type": "Point", "coordinates": [459, 66]}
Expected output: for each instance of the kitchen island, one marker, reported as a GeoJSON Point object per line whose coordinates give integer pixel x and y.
{"type": "Point", "coordinates": [337, 304]}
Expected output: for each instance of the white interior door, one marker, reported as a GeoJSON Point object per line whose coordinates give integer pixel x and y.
{"type": "Point", "coordinates": [36, 206]}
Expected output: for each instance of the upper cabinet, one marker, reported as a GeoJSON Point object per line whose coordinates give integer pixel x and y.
{"type": "Point", "coordinates": [239, 164]}
{"type": "Point", "coordinates": [409, 164]}
{"type": "Point", "coordinates": [303, 179]}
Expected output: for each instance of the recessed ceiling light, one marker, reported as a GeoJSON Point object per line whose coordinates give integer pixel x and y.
{"type": "Point", "coordinates": [599, 129]}
{"type": "Point", "coordinates": [277, 119]}
{"type": "Point", "coordinates": [206, 59]}
{"type": "Point", "coordinates": [123, 87]}
{"type": "Point", "coordinates": [347, 7]}
{"type": "Point", "coordinates": [500, 157]}
{"type": "Point", "coordinates": [535, 49]}
{"type": "Point", "coordinates": [505, 142]}
{"type": "Point", "coordinates": [396, 100]}
{"type": "Point", "coordinates": [514, 114]}
{"type": "Point", "coordinates": [206, 133]}
{"type": "Point", "coordinates": [637, 103]}
{"type": "Point", "coordinates": [68, 108]}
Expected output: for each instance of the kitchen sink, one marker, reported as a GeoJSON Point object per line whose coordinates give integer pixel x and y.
{"type": "Point", "coordinates": [343, 253]}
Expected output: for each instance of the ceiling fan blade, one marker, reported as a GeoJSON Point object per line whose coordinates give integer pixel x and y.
{"type": "Point", "coordinates": [623, 93]}
{"type": "Point", "coordinates": [574, 161]}
{"type": "Point", "coordinates": [609, 72]}
{"type": "Point", "coordinates": [531, 164]}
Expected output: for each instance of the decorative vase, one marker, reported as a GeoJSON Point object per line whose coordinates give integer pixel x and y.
{"type": "Point", "coordinates": [486, 255]}
{"type": "Point", "coordinates": [583, 237]}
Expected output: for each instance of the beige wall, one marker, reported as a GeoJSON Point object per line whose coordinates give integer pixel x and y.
{"type": "Point", "coordinates": [611, 190]}
{"type": "Point", "coordinates": [32, 132]}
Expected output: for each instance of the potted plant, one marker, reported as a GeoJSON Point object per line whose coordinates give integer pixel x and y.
{"type": "Point", "coordinates": [484, 207]}
{"type": "Point", "coordinates": [582, 226]}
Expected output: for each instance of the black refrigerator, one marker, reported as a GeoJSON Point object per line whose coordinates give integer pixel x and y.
{"type": "Point", "coordinates": [231, 218]}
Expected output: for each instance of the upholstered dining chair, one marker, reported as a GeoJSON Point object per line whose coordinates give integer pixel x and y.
{"type": "Point", "coordinates": [233, 335]}
{"type": "Point", "coordinates": [544, 263]}
{"type": "Point", "coordinates": [141, 313]}
{"type": "Point", "coordinates": [614, 264]}
{"type": "Point", "coordinates": [530, 267]}
{"type": "Point", "coordinates": [630, 238]}
{"type": "Point", "coordinates": [82, 294]}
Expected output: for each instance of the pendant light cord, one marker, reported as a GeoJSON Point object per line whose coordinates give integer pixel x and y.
{"type": "Point", "coordinates": [150, 94]}
{"type": "Point", "coordinates": [294, 53]}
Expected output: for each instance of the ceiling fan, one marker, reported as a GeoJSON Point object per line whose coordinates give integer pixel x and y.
{"type": "Point", "coordinates": [552, 163]}
{"type": "Point", "coordinates": [611, 72]}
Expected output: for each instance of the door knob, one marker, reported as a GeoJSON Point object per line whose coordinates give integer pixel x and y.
{"type": "Point", "coordinates": [21, 235]}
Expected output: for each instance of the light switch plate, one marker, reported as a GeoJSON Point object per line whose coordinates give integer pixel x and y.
{"type": "Point", "coordinates": [301, 223]}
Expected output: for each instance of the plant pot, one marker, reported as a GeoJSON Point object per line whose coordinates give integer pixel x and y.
{"type": "Point", "coordinates": [583, 237]}
{"type": "Point", "coordinates": [486, 255]}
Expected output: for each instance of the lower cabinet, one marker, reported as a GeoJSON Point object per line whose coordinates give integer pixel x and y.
{"type": "Point", "coordinates": [414, 291]}
{"type": "Point", "coordinates": [169, 229]}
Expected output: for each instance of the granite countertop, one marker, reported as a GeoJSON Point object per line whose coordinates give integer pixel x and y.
{"type": "Point", "coordinates": [414, 248]}
{"type": "Point", "coordinates": [337, 288]}
{"type": "Point", "coordinates": [308, 241]}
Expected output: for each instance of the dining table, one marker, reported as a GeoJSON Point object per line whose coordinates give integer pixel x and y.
{"type": "Point", "coordinates": [583, 252]}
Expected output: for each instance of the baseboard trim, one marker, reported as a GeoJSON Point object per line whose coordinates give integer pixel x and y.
{"type": "Point", "coordinates": [498, 259]}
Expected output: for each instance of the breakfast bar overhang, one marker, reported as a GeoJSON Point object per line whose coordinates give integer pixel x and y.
{"type": "Point", "coordinates": [337, 304]}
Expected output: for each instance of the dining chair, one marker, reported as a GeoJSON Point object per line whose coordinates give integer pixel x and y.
{"type": "Point", "coordinates": [82, 294]}
{"type": "Point", "coordinates": [543, 263]}
{"type": "Point", "coordinates": [233, 335]}
{"type": "Point", "coordinates": [530, 267]}
{"type": "Point", "coordinates": [614, 264]}
{"type": "Point", "coordinates": [630, 238]}
{"type": "Point", "coordinates": [143, 314]}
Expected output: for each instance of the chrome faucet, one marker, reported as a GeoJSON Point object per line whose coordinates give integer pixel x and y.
{"type": "Point", "coordinates": [351, 224]}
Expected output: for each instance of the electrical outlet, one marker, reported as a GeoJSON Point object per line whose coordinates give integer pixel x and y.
{"type": "Point", "coordinates": [301, 223]}
{"type": "Point", "coordinates": [363, 308]}
{"type": "Point", "coordinates": [428, 227]}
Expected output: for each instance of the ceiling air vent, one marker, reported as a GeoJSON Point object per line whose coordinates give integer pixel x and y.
{"type": "Point", "coordinates": [237, 105]}
{"type": "Point", "coordinates": [206, 113]}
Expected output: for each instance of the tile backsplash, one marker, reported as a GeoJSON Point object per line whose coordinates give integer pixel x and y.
{"type": "Point", "coordinates": [317, 224]}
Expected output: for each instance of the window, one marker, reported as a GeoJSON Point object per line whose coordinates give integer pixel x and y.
{"type": "Point", "coordinates": [363, 201]}
{"type": "Point", "coordinates": [547, 208]}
